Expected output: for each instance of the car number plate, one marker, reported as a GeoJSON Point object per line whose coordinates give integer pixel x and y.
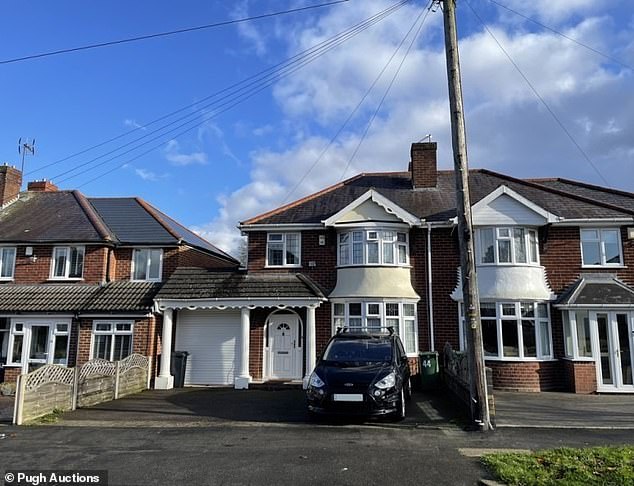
{"type": "Point", "coordinates": [347, 397]}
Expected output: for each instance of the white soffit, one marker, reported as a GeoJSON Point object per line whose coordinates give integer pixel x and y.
{"type": "Point", "coordinates": [372, 206]}
{"type": "Point", "coordinates": [498, 282]}
{"type": "Point", "coordinates": [505, 206]}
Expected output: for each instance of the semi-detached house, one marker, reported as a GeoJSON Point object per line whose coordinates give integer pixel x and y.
{"type": "Point", "coordinates": [555, 267]}
{"type": "Point", "coordinates": [78, 275]}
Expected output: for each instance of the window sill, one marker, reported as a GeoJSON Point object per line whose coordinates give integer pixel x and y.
{"type": "Point", "coordinates": [507, 265]}
{"type": "Point", "coordinates": [282, 266]}
{"type": "Point", "coordinates": [375, 265]}
{"type": "Point", "coordinates": [584, 359]}
{"type": "Point", "coordinates": [62, 279]}
{"type": "Point", "coordinates": [519, 360]}
{"type": "Point", "coordinates": [6, 279]}
{"type": "Point", "coordinates": [604, 267]}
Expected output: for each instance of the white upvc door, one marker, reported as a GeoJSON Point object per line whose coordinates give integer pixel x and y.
{"type": "Point", "coordinates": [284, 347]}
{"type": "Point", "coordinates": [613, 335]}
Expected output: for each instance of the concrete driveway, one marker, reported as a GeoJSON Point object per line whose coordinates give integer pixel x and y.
{"type": "Point", "coordinates": [564, 410]}
{"type": "Point", "coordinates": [190, 407]}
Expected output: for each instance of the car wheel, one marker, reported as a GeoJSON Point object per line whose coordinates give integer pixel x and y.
{"type": "Point", "coordinates": [400, 410]}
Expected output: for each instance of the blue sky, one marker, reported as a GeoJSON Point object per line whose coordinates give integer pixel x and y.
{"type": "Point", "coordinates": [257, 155]}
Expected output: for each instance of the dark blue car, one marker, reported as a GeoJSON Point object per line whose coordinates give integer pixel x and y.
{"type": "Point", "coordinates": [361, 374]}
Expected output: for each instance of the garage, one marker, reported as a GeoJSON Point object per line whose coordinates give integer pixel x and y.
{"type": "Point", "coordinates": [212, 338]}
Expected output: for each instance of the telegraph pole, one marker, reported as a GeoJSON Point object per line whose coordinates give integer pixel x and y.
{"type": "Point", "coordinates": [478, 387]}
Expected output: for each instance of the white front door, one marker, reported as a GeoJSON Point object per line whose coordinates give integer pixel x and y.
{"type": "Point", "coordinates": [614, 343]}
{"type": "Point", "coordinates": [284, 347]}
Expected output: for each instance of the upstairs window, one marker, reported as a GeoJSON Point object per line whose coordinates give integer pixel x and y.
{"type": "Point", "coordinates": [508, 246]}
{"type": "Point", "coordinates": [7, 262]}
{"type": "Point", "coordinates": [147, 264]}
{"type": "Point", "coordinates": [283, 250]}
{"type": "Point", "coordinates": [373, 247]}
{"type": "Point", "coordinates": [601, 247]}
{"type": "Point", "coordinates": [68, 262]}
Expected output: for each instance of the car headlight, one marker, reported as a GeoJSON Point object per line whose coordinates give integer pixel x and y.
{"type": "Point", "coordinates": [315, 381]}
{"type": "Point", "coordinates": [387, 382]}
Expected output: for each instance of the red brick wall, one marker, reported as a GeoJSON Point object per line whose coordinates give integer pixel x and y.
{"type": "Point", "coordinates": [527, 376]}
{"type": "Point", "coordinates": [28, 271]}
{"type": "Point", "coordinates": [581, 376]}
{"type": "Point", "coordinates": [11, 374]}
{"type": "Point", "coordinates": [560, 254]}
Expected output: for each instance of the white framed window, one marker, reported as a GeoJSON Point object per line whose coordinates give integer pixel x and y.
{"type": "Point", "coordinates": [577, 337]}
{"type": "Point", "coordinates": [36, 341]}
{"type": "Point", "coordinates": [5, 328]}
{"type": "Point", "coordinates": [373, 247]}
{"type": "Point", "coordinates": [147, 264]}
{"type": "Point", "coordinates": [510, 245]}
{"type": "Point", "coordinates": [513, 330]}
{"type": "Point", "coordinates": [68, 262]}
{"type": "Point", "coordinates": [16, 343]}
{"type": "Point", "coordinates": [283, 250]}
{"type": "Point", "coordinates": [112, 340]}
{"type": "Point", "coordinates": [378, 316]}
{"type": "Point", "coordinates": [61, 340]}
{"type": "Point", "coordinates": [601, 247]}
{"type": "Point", "coordinates": [7, 262]}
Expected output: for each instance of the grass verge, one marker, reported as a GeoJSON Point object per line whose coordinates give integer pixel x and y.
{"type": "Point", "coordinates": [564, 466]}
{"type": "Point", "coordinates": [51, 418]}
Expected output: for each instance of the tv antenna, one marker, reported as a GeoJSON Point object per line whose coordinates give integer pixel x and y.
{"type": "Point", "coordinates": [25, 148]}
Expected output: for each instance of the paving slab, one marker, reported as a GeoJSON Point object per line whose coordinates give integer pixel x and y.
{"type": "Point", "coordinates": [564, 410]}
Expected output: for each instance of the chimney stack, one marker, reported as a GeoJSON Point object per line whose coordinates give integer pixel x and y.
{"type": "Point", "coordinates": [10, 183]}
{"type": "Point", "coordinates": [42, 186]}
{"type": "Point", "coordinates": [423, 165]}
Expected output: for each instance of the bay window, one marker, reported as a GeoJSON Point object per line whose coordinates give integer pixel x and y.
{"type": "Point", "coordinates": [373, 247]}
{"type": "Point", "coordinates": [68, 262]}
{"type": "Point", "coordinates": [513, 330]}
{"type": "Point", "coordinates": [7, 262]}
{"type": "Point", "coordinates": [601, 247]}
{"type": "Point", "coordinates": [577, 340]}
{"type": "Point", "coordinates": [283, 250]}
{"type": "Point", "coordinates": [378, 316]}
{"type": "Point", "coordinates": [507, 245]}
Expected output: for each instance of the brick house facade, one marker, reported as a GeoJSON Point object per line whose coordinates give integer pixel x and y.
{"type": "Point", "coordinates": [69, 289]}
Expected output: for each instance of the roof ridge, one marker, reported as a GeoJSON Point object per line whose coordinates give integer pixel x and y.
{"type": "Point", "coordinates": [302, 200]}
{"type": "Point", "coordinates": [527, 182]}
{"type": "Point", "coordinates": [586, 185]}
{"type": "Point", "coordinates": [93, 216]}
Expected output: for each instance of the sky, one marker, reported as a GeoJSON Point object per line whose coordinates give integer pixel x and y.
{"type": "Point", "coordinates": [555, 109]}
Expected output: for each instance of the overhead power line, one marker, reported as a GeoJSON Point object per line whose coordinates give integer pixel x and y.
{"type": "Point", "coordinates": [270, 73]}
{"type": "Point", "coordinates": [351, 115]}
{"type": "Point", "coordinates": [571, 39]}
{"type": "Point", "coordinates": [165, 34]}
{"type": "Point", "coordinates": [389, 86]}
{"type": "Point", "coordinates": [539, 96]}
{"type": "Point", "coordinates": [314, 53]}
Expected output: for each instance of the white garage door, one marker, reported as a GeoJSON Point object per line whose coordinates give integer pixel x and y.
{"type": "Point", "coordinates": [213, 341]}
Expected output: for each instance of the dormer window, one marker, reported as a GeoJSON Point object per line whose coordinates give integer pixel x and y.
{"type": "Point", "coordinates": [373, 247]}
{"type": "Point", "coordinates": [7, 262]}
{"type": "Point", "coordinates": [283, 250]}
{"type": "Point", "coordinates": [510, 245]}
{"type": "Point", "coordinates": [147, 264]}
{"type": "Point", "coordinates": [68, 262]}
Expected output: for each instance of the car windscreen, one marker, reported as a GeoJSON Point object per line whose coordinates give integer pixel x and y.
{"type": "Point", "coordinates": [359, 350]}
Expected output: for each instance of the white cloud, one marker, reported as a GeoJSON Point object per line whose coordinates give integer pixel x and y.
{"type": "Point", "coordinates": [128, 122]}
{"type": "Point", "coordinates": [509, 130]}
{"type": "Point", "coordinates": [175, 156]}
{"type": "Point", "coordinates": [148, 175]}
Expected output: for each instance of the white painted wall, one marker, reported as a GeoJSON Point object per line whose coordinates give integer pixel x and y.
{"type": "Point", "coordinates": [378, 282]}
